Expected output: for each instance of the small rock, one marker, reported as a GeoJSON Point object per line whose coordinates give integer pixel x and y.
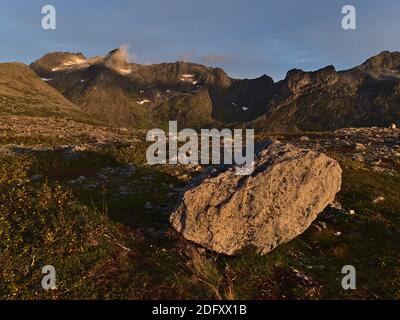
{"type": "Point", "coordinates": [378, 199]}
{"type": "Point", "coordinates": [358, 157]}
{"type": "Point", "coordinates": [78, 180]}
{"type": "Point", "coordinates": [61, 148]}
{"type": "Point", "coordinates": [320, 226]}
{"type": "Point", "coordinates": [378, 169]}
{"type": "Point", "coordinates": [184, 177]}
{"type": "Point", "coordinates": [81, 179]}
{"type": "Point", "coordinates": [352, 212]}
{"type": "Point", "coordinates": [359, 147]}
{"type": "Point", "coordinates": [79, 148]}
{"type": "Point", "coordinates": [300, 274]}
{"type": "Point", "coordinates": [93, 185]}
{"type": "Point", "coordinates": [124, 191]}
{"type": "Point", "coordinates": [316, 226]}
{"type": "Point", "coordinates": [304, 139]}
{"type": "Point", "coordinates": [335, 208]}
{"type": "Point", "coordinates": [393, 126]}
{"type": "Point", "coordinates": [377, 162]}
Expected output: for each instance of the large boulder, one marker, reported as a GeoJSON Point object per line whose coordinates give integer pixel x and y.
{"type": "Point", "coordinates": [289, 187]}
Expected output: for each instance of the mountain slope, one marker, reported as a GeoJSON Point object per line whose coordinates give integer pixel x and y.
{"type": "Point", "coordinates": [22, 92]}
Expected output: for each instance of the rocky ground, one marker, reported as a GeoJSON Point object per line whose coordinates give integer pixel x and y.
{"type": "Point", "coordinates": [377, 147]}
{"type": "Point", "coordinates": [36, 132]}
{"type": "Point", "coordinates": [82, 198]}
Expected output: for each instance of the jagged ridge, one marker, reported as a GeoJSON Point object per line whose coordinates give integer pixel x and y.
{"type": "Point", "coordinates": [141, 96]}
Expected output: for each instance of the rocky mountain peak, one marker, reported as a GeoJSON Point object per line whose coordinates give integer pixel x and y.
{"type": "Point", "coordinates": [56, 61]}
{"type": "Point", "coordinates": [118, 59]}
{"type": "Point", "coordinates": [298, 80]}
{"type": "Point", "coordinates": [384, 62]}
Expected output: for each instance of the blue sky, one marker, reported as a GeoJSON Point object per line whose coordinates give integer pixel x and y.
{"type": "Point", "coordinates": [247, 38]}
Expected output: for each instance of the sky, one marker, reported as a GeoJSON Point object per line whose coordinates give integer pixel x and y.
{"type": "Point", "coordinates": [247, 38]}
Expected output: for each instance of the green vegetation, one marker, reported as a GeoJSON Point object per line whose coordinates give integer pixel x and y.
{"type": "Point", "coordinates": [41, 224]}
{"type": "Point", "coordinates": [105, 243]}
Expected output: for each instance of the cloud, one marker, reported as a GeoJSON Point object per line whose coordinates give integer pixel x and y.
{"type": "Point", "coordinates": [216, 58]}
{"type": "Point", "coordinates": [125, 52]}
{"type": "Point", "coordinates": [119, 59]}
{"type": "Point", "coordinates": [187, 56]}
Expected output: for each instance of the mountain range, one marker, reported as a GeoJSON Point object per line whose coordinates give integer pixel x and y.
{"type": "Point", "coordinates": [120, 93]}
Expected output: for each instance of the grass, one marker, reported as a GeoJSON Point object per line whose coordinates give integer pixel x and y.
{"type": "Point", "coordinates": [41, 225]}
{"type": "Point", "coordinates": [105, 244]}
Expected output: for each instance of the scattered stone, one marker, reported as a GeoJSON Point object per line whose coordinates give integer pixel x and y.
{"type": "Point", "coordinates": [359, 147]}
{"type": "Point", "coordinates": [63, 129]}
{"type": "Point", "coordinates": [358, 157]}
{"type": "Point", "coordinates": [289, 187]}
{"type": "Point", "coordinates": [338, 234]}
{"type": "Point", "coordinates": [378, 199]}
{"type": "Point", "coordinates": [78, 180]}
{"type": "Point", "coordinates": [352, 212]}
{"type": "Point", "coordinates": [378, 169]}
{"type": "Point", "coordinates": [184, 178]}
{"type": "Point", "coordinates": [320, 226]}
{"type": "Point", "coordinates": [304, 139]}
{"type": "Point", "coordinates": [124, 191]}
{"type": "Point", "coordinates": [92, 185]}
{"type": "Point", "coordinates": [317, 227]}
{"type": "Point", "coordinates": [81, 179]}
{"type": "Point", "coordinates": [373, 143]}
{"type": "Point", "coordinates": [336, 206]}
{"type": "Point", "coordinates": [300, 275]}
{"type": "Point", "coordinates": [393, 126]}
{"type": "Point", "coordinates": [61, 148]}
{"type": "Point", "coordinates": [126, 170]}
{"type": "Point", "coordinates": [78, 148]}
